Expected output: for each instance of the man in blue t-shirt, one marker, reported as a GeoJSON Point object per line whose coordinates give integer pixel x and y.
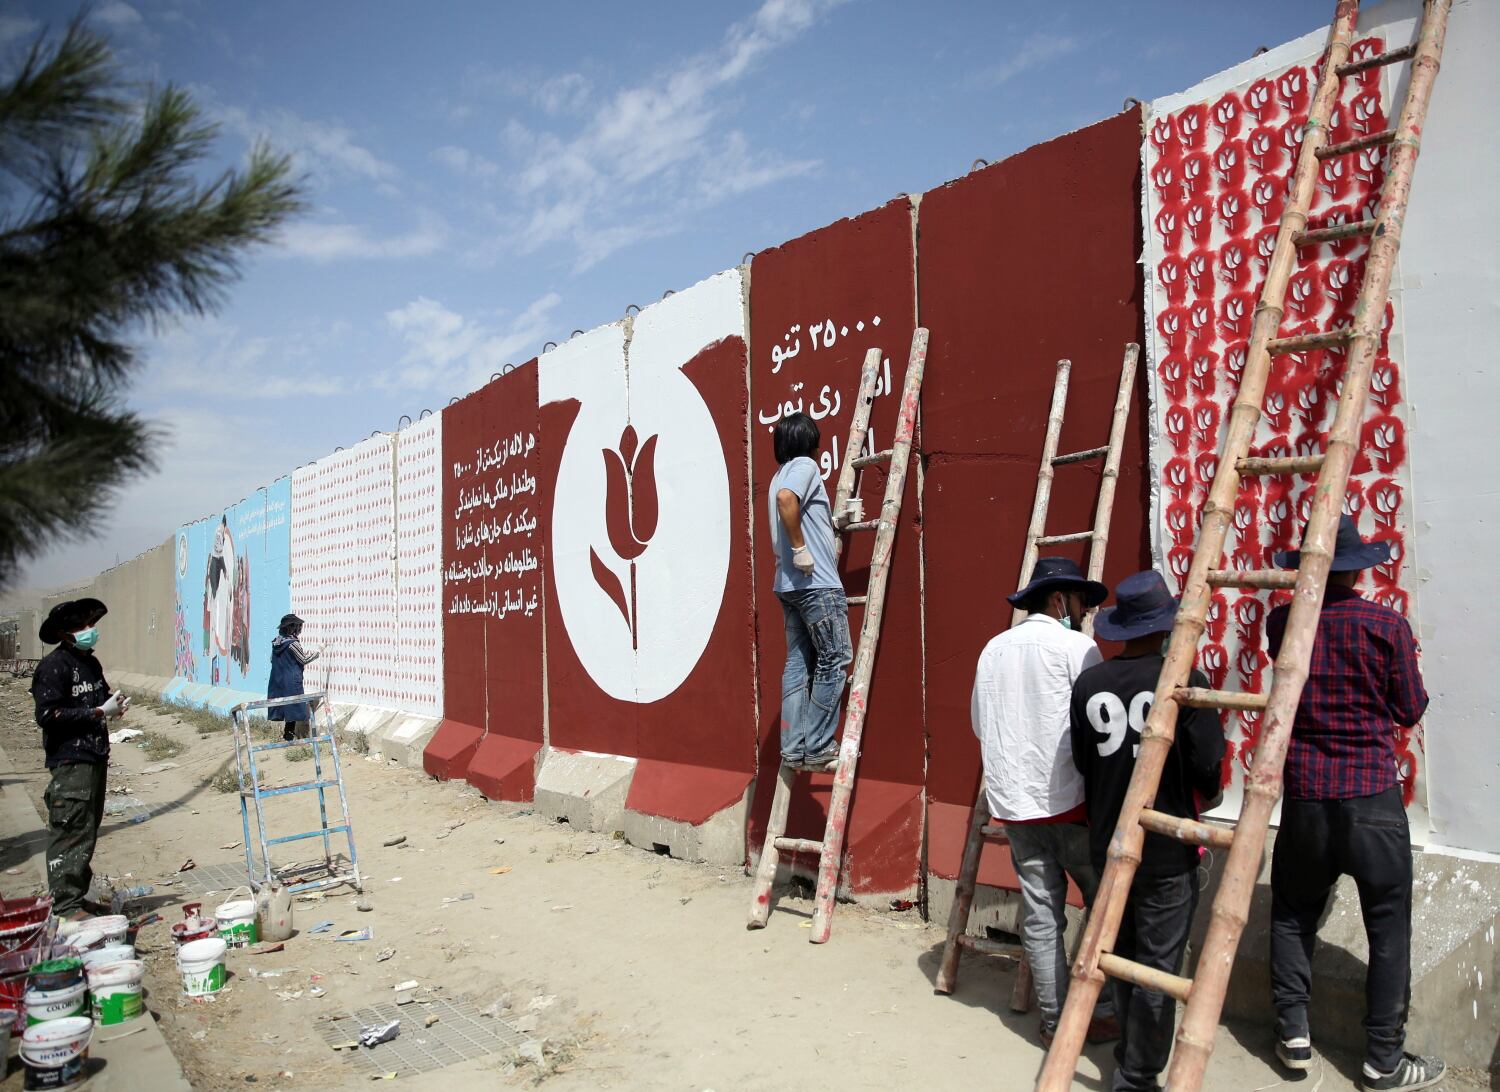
{"type": "Point", "coordinates": [812, 599]}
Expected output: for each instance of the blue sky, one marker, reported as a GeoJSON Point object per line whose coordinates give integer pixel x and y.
{"type": "Point", "coordinates": [486, 177]}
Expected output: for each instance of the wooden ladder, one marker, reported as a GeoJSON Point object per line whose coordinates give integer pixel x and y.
{"type": "Point", "coordinates": [847, 518]}
{"type": "Point", "coordinates": [1204, 995]}
{"type": "Point", "coordinates": [980, 827]}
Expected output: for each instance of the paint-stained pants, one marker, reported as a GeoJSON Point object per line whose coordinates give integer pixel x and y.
{"type": "Point", "coordinates": [1366, 837]}
{"type": "Point", "coordinates": [1045, 855]}
{"type": "Point", "coordinates": [1153, 933]}
{"type": "Point", "coordinates": [75, 808]}
{"type": "Point", "coordinates": [817, 652]}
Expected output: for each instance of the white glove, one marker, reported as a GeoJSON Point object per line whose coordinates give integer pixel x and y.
{"type": "Point", "coordinates": [802, 559]}
{"type": "Point", "coordinates": [114, 707]}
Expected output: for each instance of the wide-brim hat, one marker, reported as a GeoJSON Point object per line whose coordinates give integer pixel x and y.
{"type": "Point", "coordinates": [1350, 552]}
{"type": "Point", "coordinates": [289, 620]}
{"type": "Point", "coordinates": [1058, 574]}
{"type": "Point", "coordinates": [1143, 606]}
{"type": "Point", "coordinates": [69, 617]}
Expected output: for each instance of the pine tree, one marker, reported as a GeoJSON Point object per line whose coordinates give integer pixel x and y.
{"type": "Point", "coordinates": [107, 229]}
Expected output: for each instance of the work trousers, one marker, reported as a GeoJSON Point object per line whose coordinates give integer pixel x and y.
{"type": "Point", "coordinates": [1367, 838]}
{"type": "Point", "coordinates": [817, 653]}
{"type": "Point", "coordinates": [75, 808]}
{"type": "Point", "coordinates": [1044, 856]}
{"type": "Point", "coordinates": [1153, 933]}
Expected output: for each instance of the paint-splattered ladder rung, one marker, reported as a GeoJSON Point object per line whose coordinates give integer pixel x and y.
{"type": "Point", "coordinates": [1370, 140]}
{"type": "Point", "coordinates": [1275, 579]}
{"type": "Point", "coordinates": [1190, 831]}
{"type": "Point", "coordinates": [993, 830]}
{"type": "Point", "coordinates": [1393, 56]}
{"type": "Point", "coordinates": [1288, 464]}
{"type": "Point", "coordinates": [1174, 985]}
{"type": "Point", "coordinates": [1302, 342]}
{"type": "Point", "coordinates": [1081, 456]}
{"type": "Point", "coordinates": [799, 845]}
{"type": "Point", "coordinates": [1058, 540]}
{"type": "Point", "coordinates": [1197, 697]}
{"type": "Point", "coordinates": [1332, 233]}
{"type": "Point", "coordinates": [870, 460]}
{"type": "Point", "coordinates": [866, 525]}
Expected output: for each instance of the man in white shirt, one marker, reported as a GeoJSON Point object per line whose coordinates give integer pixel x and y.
{"type": "Point", "coordinates": [1023, 688]}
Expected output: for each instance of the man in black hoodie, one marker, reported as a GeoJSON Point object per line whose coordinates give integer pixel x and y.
{"type": "Point", "coordinates": [73, 709]}
{"type": "Point", "coordinates": [1109, 708]}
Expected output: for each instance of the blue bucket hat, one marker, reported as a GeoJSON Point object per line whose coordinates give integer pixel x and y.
{"type": "Point", "coordinates": [1350, 552]}
{"type": "Point", "coordinates": [1143, 606]}
{"type": "Point", "coordinates": [1058, 574]}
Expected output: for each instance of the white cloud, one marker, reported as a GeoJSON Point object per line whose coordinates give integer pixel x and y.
{"type": "Point", "coordinates": [117, 14]}
{"type": "Point", "coordinates": [17, 26]}
{"type": "Point", "coordinates": [565, 94]}
{"type": "Point", "coordinates": [211, 357]}
{"type": "Point", "coordinates": [465, 163]}
{"type": "Point", "coordinates": [341, 241]}
{"type": "Point", "coordinates": [1035, 50]}
{"type": "Point", "coordinates": [326, 150]}
{"type": "Point", "coordinates": [449, 353]}
{"type": "Point", "coordinates": [650, 154]}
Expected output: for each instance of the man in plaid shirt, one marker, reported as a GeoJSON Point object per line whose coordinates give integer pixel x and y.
{"type": "Point", "coordinates": [1343, 814]}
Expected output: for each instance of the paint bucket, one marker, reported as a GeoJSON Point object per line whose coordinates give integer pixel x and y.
{"type": "Point", "coordinates": [202, 966]}
{"type": "Point", "coordinates": [236, 920]}
{"type": "Point", "coordinates": [23, 927]}
{"type": "Point", "coordinates": [110, 953]}
{"type": "Point", "coordinates": [113, 926]}
{"type": "Point", "coordinates": [55, 1053]}
{"type": "Point", "coordinates": [85, 940]}
{"type": "Point", "coordinates": [116, 990]}
{"type": "Point", "coordinates": [194, 928]}
{"type": "Point", "coordinates": [45, 1005]}
{"type": "Point", "coordinates": [55, 974]}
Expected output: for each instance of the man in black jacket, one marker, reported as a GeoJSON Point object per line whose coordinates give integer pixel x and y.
{"type": "Point", "coordinates": [73, 708]}
{"type": "Point", "coordinates": [1109, 707]}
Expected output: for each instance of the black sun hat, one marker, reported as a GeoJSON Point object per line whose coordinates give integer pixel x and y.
{"type": "Point", "coordinates": [68, 617]}
{"type": "Point", "coordinates": [1350, 552]}
{"type": "Point", "coordinates": [1056, 574]}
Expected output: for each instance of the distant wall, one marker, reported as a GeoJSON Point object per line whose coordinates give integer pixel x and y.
{"type": "Point", "coordinates": [139, 633]}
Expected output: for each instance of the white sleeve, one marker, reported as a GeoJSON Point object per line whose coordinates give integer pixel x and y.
{"type": "Point", "coordinates": [974, 699]}
{"type": "Point", "coordinates": [1082, 655]}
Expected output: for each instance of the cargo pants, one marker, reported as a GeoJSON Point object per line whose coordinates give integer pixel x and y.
{"type": "Point", "coordinates": [75, 808]}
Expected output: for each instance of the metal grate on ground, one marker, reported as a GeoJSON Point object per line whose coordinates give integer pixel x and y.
{"type": "Point", "coordinates": [205, 879]}
{"type": "Point", "coordinates": [459, 1035]}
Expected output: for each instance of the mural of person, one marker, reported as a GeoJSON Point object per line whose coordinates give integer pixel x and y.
{"type": "Point", "coordinates": [218, 596]}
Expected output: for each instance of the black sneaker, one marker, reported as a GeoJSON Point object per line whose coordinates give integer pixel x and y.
{"type": "Point", "coordinates": [1411, 1072]}
{"type": "Point", "coordinates": [1295, 1052]}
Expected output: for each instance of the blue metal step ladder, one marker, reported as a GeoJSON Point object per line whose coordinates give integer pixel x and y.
{"type": "Point", "coordinates": [335, 869]}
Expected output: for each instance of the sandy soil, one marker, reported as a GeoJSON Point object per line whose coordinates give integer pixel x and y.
{"type": "Point", "coordinates": [635, 969]}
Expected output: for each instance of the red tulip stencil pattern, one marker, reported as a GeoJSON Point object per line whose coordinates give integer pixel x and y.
{"type": "Point", "coordinates": [630, 516]}
{"type": "Point", "coordinates": [1218, 175]}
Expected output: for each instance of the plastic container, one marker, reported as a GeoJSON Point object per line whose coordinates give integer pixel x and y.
{"type": "Point", "coordinates": [236, 920]}
{"type": "Point", "coordinates": [110, 953]}
{"type": "Point", "coordinates": [113, 926]}
{"type": "Point", "coordinates": [85, 940]}
{"type": "Point", "coordinates": [202, 966]}
{"type": "Point", "coordinates": [116, 991]}
{"type": "Point", "coordinates": [46, 1005]}
{"type": "Point", "coordinates": [55, 974]}
{"type": "Point", "coordinates": [55, 1053]}
{"type": "Point", "coordinates": [273, 913]}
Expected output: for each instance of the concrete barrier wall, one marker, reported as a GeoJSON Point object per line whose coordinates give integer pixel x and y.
{"type": "Point", "coordinates": [559, 587]}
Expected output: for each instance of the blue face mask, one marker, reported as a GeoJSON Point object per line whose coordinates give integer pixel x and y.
{"type": "Point", "coordinates": [86, 638]}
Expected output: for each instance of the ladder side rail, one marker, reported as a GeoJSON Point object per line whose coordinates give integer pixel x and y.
{"type": "Point", "coordinates": [312, 725]}
{"type": "Point", "coordinates": [869, 640]}
{"type": "Point", "coordinates": [1160, 728]}
{"type": "Point", "coordinates": [1109, 477]}
{"type": "Point", "coordinates": [770, 856]}
{"type": "Point", "coordinates": [963, 892]}
{"type": "Point", "coordinates": [348, 823]}
{"type": "Point", "coordinates": [1039, 505]}
{"type": "Point", "coordinates": [859, 428]}
{"type": "Point", "coordinates": [1264, 785]}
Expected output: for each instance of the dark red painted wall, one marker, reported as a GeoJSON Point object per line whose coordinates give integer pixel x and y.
{"type": "Point", "coordinates": [858, 277]}
{"type": "Point", "coordinates": [1022, 263]}
{"type": "Point", "coordinates": [494, 495]}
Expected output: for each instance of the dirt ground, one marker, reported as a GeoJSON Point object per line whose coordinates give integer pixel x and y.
{"type": "Point", "coordinates": [633, 970]}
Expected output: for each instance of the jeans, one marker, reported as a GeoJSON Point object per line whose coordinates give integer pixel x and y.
{"type": "Point", "coordinates": [1154, 933]}
{"type": "Point", "coordinates": [1367, 838]}
{"type": "Point", "coordinates": [817, 652]}
{"type": "Point", "coordinates": [75, 808]}
{"type": "Point", "coordinates": [1045, 855]}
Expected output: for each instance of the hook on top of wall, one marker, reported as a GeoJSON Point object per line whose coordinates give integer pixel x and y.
{"type": "Point", "coordinates": [452, 400]}
{"type": "Point", "coordinates": [547, 348]}
{"type": "Point", "coordinates": [669, 292]}
{"type": "Point", "coordinates": [574, 334]}
{"type": "Point", "coordinates": [632, 309]}
{"type": "Point", "coordinates": [426, 413]}
{"type": "Point", "coordinates": [978, 163]}
{"type": "Point", "coordinates": [1131, 103]}
{"type": "Point", "coordinates": [507, 369]}
{"type": "Point", "coordinates": [404, 417]}
{"type": "Point", "coordinates": [746, 257]}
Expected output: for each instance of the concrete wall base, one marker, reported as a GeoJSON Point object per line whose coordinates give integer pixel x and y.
{"type": "Point", "coordinates": [719, 840]}
{"type": "Point", "coordinates": [369, 721]}
{"type": "Point", "coordinates": [993, 907]}
{"type": "Point", "coordinates": [587, 790]}
{"type": "Point", "coordinates": [1455, 1008]}
{"type": "Point", "coordinates": [404, 738]}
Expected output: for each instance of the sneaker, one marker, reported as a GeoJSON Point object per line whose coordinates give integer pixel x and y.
{"type": "Point", "coordinates": [1103, 1029]}
{"type": "Point", "coordinates": [1295, 1052]}
{"type": "Point", "coordinates": [1411, 1072]}
{"type": "Point", "coordinates": [794, 761]}
{"type": "Point", "coordinates": [825, 760]}
{"type": "Point", "coordinates": [1048, 1032]}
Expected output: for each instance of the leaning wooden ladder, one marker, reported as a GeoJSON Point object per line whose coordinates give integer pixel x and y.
{"type": "Point", "coordinates": [847, 518]}
{"type": "Point", "coordinates": [1204, 994]}
{"type": "Point", "coordinates": [980, 827]}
